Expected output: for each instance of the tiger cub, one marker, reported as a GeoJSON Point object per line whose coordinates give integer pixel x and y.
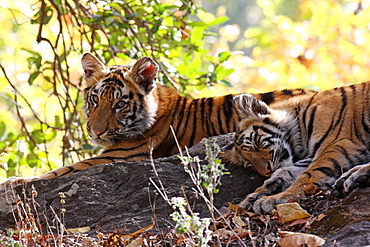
{"type": "Point", "coordinates": [130, 115]}
{"type": "Point", "coordinates": [322, 139]}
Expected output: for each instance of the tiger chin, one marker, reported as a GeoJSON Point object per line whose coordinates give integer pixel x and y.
{"type": "Point", "coordinates": [321, 139]}
{"type": "Point", "coordinates": [131, 115]}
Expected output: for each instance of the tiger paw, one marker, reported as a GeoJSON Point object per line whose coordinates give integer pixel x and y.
{"type": "Point", "coordinates": [267, 203]}
{"type": "Point", "coordinates": [249, 200]}
{"type": "Point", "coordinates": [358, 176]}
{"type": "Point", "coordinates": [271, 186]}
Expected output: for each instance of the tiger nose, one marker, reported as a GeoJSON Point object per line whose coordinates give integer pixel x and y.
{"type": "Point", "coordinates": [97, 132]}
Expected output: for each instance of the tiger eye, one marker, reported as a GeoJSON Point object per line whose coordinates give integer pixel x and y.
{"type": "Point", "coordinates": [95, 99]}
{"type": "Point", "coordinates": [121, 104]}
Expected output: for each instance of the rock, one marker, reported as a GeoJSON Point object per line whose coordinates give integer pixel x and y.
{"type": "Point", "coordinates": [122, 196]}
{"type": "Point", "coordinates": [348, 223]}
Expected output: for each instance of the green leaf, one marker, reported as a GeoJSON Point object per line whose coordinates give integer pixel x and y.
{"type": "Point", "coordinates": [50, 135]}
{"type": "Point", "coordinates": [218, 21]}
{"type": "Point", "coordinates": [11, 163]}
{"type": "Point", "coordinates": [2, 128]}
{"type": "Point", "coordinates": [196, 34]}
{"type": "Point", "coordinates": [32, 77]}
{"type": "Point", "coordinates": [2, 146]}
{"type": "Point", "coordinates": [58, 123]}
{"type": "Point", "coordinates": [205, 184]}
{"type": "Point", "coordinates": [38, 136]}
{"type": "Point", "coordinates": [32, 159]}
{"type": "Point", "coordinates": [223, 56]}
{"type": "Point", "coordinates": [206, 17]}
{"type": "Point", "coordinates": [225, 83]}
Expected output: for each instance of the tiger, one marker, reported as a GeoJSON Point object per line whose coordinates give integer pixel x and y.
{"type": "Point", "coordinates": [130, 115]}
{"type": "Point", "coordinates": [305, 143]}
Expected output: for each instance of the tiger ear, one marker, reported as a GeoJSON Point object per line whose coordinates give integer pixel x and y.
{"type": "Point", "coordinates": [248, 106]}
{"type": "Point", "coordinates": [144, 73]}
{"type": "Point", "coordinates": [93, 68]}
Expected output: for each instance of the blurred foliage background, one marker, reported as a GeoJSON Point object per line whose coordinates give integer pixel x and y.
{"type": "Point", "coordinates": [204, 48]}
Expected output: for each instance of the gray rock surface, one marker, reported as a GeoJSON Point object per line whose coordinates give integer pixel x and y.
{"type": "Point", "coordinates": [348, 223]}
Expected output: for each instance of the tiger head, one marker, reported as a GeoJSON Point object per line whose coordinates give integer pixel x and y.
{"type": "Point", "coordinates": [261, 143]}
{"type": "Point", "coordinates": [119, 100]}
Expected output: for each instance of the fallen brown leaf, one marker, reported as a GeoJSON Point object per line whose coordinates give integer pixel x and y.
{"type": "Point", "coordinates": [296, 239]}
{"type": "Point", "coordinates": [136, 243]}
{"type": "Point", "coordinates": [238, 221]}
{"type": "Point", "coordinates": [223, 233]}
{"type": "Point", "coordinates": [288, 212]}
{"type": "Point", "coordinates": [320, 217]}
{"type": "Point", "coordinates": [78, 230]}
{"type": "Point", "coordinates": [238, 210]}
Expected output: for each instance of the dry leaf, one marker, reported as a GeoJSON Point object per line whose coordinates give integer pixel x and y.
{"type": "Point", "coordinates": [237, 220]}
{"type": "Point", "coordinates": [235, 208]}
{"type": "Point", "coordinates": [249, 214]}
{"type": "Point", "coordinates": [320, 217]}
{"type": "Point", "coordinates": [78, 230]}
{"type": "Point", "coordinates": [299, 221]}
{"type": "Point", "coordinates": [296, 239]}
{"type": "Point", "coordinates": [223, 233]}
{"type": "Point", "coordinates": [288, 212]}
{"type": "Point", "coordinates": [241, 234]}
{"type": "Point", "coordinates": [136, 243]}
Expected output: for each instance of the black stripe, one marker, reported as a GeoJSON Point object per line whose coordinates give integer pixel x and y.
{"type": "Point", "coordinates": [87, 163]}
{"type": "Point", "coordinates": [268, 98]}
{"type": "Point", "coordinates": [363, 122]}
{"type": "Point", "coordinates": [181, 116]}
{"type": "Point", "coordinates": [269, 131]}
{"type": "Point", "coordinates": [268, 121]}
{"type": "Point", "coordinates": [122, 149]}
{"type": "Point", "coordinates": [71, 169]}
{"type": "Point", "coordinates": [311, 119]}
{"type": "Point", "coordinates": [326, 170]}
{"type": "Point", "coordinates": [210, 126]}
{"type": "Point", "coordinates": [175, 116]}
{"type": "Point", "coordinates": [228, 111]}
{"type": "Point", "coordinates": [318, 144]}
{"type": "Point", "coordinates": [343, 151]}
{"type": "Point", "coordinates": [194, 130]}
{"type": "Point", "coordinates": [219, 120]}
{"type": "Point", "coordinates": [304, 112]}
{"type": "Point", "coordinates": [344, 104]}
{"type": "Point", "coordinates": [202, 112]}
{"type": "Point", "coordinates": [137, 155]}
{"type": "Point", "coordinates": [287, 92]}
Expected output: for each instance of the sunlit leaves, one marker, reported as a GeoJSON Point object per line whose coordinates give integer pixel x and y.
{"type": "Point", "coordinates": [321, 47]}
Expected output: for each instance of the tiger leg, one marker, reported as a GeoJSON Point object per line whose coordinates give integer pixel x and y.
{"type": "Point", "coordinates": [322, 173]}
{"type": "Point", "coordinates": [279, 181]}
{"type": "Point", "coordinates": [358, 176]}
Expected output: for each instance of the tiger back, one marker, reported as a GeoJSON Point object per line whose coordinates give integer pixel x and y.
{"type": "Point", "coordinates": [131, 116]}
{"type": "Point", "coordinates": [320, 140]}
